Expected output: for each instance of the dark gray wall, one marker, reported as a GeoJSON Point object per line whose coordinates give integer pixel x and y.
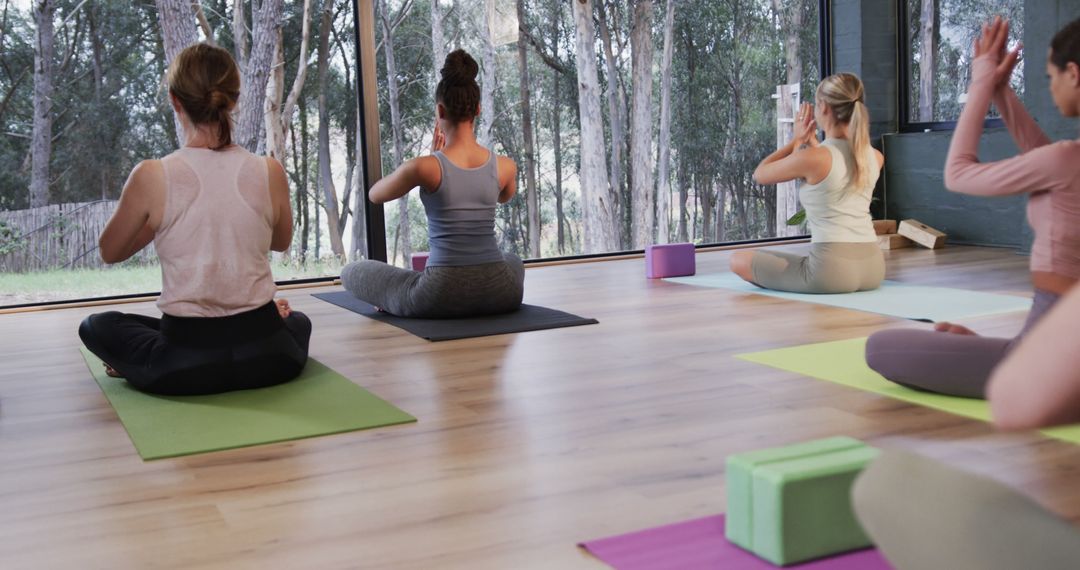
{"type": "Point", "coordinates": [914, 165]}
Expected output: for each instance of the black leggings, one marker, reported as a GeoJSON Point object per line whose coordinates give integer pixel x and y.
{"type": "Point", "coordinates": [188, 356]}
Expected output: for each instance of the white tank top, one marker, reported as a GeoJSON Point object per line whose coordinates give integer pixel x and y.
{"type": "Point", "coordinates": [215, 233]}
{"type": "Point", "coordinates": [835, 210]}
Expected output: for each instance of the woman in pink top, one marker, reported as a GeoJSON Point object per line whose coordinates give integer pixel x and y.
{"type": "Point", "coordinates": [952, 359]}
{"type": "Point", "coordinates": [214, 211]}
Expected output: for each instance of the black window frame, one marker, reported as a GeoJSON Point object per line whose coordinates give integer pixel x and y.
{"type": "Point", "coordinates": [904, 55]}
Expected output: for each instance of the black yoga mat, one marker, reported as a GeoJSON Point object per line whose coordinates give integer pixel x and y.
{"type": "Point", "coordinates": [527, 318]}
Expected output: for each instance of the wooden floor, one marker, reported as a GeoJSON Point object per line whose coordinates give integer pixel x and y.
{"type": "Point", "coordinates": [526, 443]}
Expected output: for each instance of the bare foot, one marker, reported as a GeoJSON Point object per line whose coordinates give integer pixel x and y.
{"type": "Point", "coordinates": [110, 371]}
{"type": "Point", "coordinates": [954, 329]}
{"type": "Point", "coordinates": [283, 307]}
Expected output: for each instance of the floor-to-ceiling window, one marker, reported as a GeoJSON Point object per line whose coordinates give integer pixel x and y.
{"type": "Point", "coordinates": [631, 122]}
{"type": "Point", "coordinates": [82, 102]}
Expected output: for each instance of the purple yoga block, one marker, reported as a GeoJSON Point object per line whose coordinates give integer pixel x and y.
{"type": "Point", "coordinates": [669, 260]}
{"type": "Point", "coordinates": [419, 260]}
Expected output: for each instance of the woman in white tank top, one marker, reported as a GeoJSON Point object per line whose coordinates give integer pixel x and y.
{"type": "Point", "coordinates": [839, 174]}
{"type": "Point", "coordinates": [213, 211]}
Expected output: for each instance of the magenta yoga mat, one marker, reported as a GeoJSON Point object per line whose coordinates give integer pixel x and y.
{"type": "Point", "coordinates": [700, 544]}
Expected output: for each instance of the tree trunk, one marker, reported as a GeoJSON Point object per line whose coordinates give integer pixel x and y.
{"type": "Point", "coordinates": [41, 134]}
{"type": "Point", "coordinates": [556, 132]}
{"type": "Point", "coordinates": [598, 218]}
{"type": "Point", "coordinates": [682, 233]}
{"type": "Point", "coordinates": [204, 24]}
{"type": "Point", "coordinates": [616, 107]}
{"type": "Point", "coordinates": [255, 72]}
{"type": "Point", "coordinates": [240, 32]}
{"type": "Point", "coordinates": [438, 40]}
{"type": "Point", "coordinates": [532, 193]}
{"type": "Point", "coordinates": [663, 190]}
{"type": "Point", "coordinates": [359, 209]}
{"type": "Point", "coordinates": [326, 177]}
{"type": "Point", "coordinates": [641, 138]}
{"type": "Point", "coordinates": [99, 78]}
{"type": "Point", "coordinates": [305, 177]}
{"type": "Point", "coordinates": [395, 125]}
{"type": "Point", "coordinates": [487, 81]}
{"type": "Point", "coordinates": [928, 36]}
{"type": "Point", "coordinates": [177, 32]}
{"type": "Point", "coordinates": [275, 86]}
{"type": "Point", "coordinates": [280, 115]}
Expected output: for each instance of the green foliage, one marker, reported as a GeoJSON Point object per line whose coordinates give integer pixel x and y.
{"type": "Point", "coordinates": [11, 239]}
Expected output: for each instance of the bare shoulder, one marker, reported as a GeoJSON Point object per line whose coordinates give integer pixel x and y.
{"type": "Point", "coordinates": [507, 164]}
{"type": "Point", "coordinates": [147, 174]}
{"type": "Point", "coordinates": [880, 157]}
{"type": "Point", "coordinates": [818, 156]}
{"type": "Point", "coordinates": [275, 167]}
{"type": "Point", "coordinates": [507, 169]}
{"type": "Point", "coordinates": [427, 170]}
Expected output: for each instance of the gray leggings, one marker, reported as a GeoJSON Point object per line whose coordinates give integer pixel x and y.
{"type": "Point", "coordinates": [442, 292]}
{"type": "Point", "coordinates": [830, 268]}
{"type": "Point", "coordinates": [951, 364]}
{"type": "Point", "coordinates": [923, 514]}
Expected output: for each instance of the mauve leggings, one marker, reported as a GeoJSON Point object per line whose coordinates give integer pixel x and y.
{"type": "Point", "coordinates": [945, 363]}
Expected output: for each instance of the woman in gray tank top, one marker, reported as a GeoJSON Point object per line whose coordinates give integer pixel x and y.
{"type": "Point", "coordinates": [461, 184]}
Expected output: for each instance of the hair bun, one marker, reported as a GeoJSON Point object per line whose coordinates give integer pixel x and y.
{"type": "Point", "coordinates": [460, 68]}
{"type": "Point", "coordinates": [218, 100]}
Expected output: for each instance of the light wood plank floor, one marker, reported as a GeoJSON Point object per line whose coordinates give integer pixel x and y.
{"type": "Point", "coordinates": [526, 443]}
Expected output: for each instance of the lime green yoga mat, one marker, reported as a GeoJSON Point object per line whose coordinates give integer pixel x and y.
{"type": "Point", "coordinates": [915, 302]}
{"type": "Point", "coordinates": [319, 402]}
{"type": "Point", "coordinates": [844, 362]}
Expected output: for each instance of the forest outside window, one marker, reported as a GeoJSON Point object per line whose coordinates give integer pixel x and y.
{"type": "Point", "coordinates": [73, 127]}
{"type": "Point", "coordinates": [936, 54]}
{"type": "Point", "coordinates": [631, 121]}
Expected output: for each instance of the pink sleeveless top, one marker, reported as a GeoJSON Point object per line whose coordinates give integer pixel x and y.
{"type": "Point", "coordinates": [215, 234]}
{"type": "Point", "coordinates": [1048, 172]}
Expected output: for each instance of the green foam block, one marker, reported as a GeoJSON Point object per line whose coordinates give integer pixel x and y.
{"type": "Point", "coordinates": [319, 402]}
{"type": "Point", "coordinates": [792, 504]}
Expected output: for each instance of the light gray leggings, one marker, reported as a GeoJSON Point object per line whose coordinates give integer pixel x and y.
{"type": "Point", "coordinates": [922, 514]}
{"type": "Point", "coordinates": [830, 268]}
{"type": "Point", "coordinates": [439, 292]}
{"type": "Point", "coordinates": [952, 364]}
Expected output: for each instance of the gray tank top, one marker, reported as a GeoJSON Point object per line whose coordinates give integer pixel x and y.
{"type": "Point", "coordinates": [461, 214]}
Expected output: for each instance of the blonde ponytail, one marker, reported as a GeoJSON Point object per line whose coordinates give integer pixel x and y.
{"type": "Point", "coordinates": [859, 138]}
{"type": "Point", "coordinates": [843, 93]}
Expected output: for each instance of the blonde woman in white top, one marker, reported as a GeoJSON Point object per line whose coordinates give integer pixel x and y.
{"type": "Point", "coordinates": [214, 211]}
{"type": "Point", "coordinates": [839, 176]}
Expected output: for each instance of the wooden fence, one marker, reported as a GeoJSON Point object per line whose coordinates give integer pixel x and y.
{"type": "Point", "coordinates": [59, 236]}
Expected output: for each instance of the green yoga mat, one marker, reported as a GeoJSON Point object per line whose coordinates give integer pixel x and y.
{"type": "Point", "coordinates": [844, 362]}
{"type": "Point", "coordinates": [915, 302]}
{"type": "Point", "coordinates": [319, 402]}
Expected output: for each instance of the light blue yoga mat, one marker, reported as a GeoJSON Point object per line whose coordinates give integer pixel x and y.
{"type": "Point", "coordinates": [915, 302]}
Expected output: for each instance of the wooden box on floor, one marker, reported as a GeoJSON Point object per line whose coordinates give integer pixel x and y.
{"type": "Point", "coordinates": [893, 241]}
{"type": "Point", "coordinates": [922, 234]}
{"type": "Point", "coordinates": [884, 227]}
